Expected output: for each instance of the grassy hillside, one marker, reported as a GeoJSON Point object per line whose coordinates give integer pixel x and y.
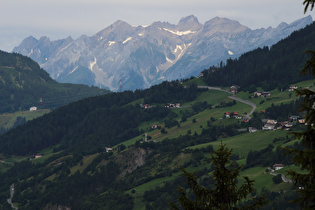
{"type": "Point", "coordinates": [7, 120]}
{"type": "Point", "coordinates": [147, 168]}
{"type": "Point", "coordinates": [241, 144]}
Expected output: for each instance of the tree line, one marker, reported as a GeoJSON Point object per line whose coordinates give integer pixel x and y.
{"type": "Point", "coordinates": [90, 124]}
{"type": "Point", "coordinates": [23, 83]}
{"type": "Point", "coordinates": [266, 67]}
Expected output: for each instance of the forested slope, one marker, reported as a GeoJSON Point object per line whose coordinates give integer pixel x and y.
{"type": "Point", "coordinates": [264, 67]}
{"type": "Point", "coordinates": [91, 124]}
{"type": "Point", "coordinates": [23, 83]}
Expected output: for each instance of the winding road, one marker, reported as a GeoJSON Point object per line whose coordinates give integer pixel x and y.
{"type": "Point", "coordinates": [11, 196]}
{"type": "Point", "coordinates": [283, 177]}
{"type": "Point", "coordinates": [245, 102]}
{"type": "Point", "coordinates": [234, 98]}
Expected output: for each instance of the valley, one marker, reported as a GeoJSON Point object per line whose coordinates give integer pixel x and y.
{"type": "Point", "coordinates": [194, 126]}
{"type": "Point", "coordinates": [97, 149]}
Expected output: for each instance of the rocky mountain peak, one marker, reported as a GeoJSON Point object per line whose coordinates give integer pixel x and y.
{"type": "Point", "coordinates": [69, 39]}
{"type": "Point", "coordinates": [189, 23]}
{"type": "Point", "coordinates": [282, 25]}
{"type": "Point", "coordinates": [29, 39]}
{"type": "Point", "coordinates": [26, 45]}
{"type": "Point", "coordinates": [44, 39]}
{"type": "Point", "coordinates": [224, 25]}
{"type": "Point", "coordinates": [116, 31]}
{"type": "Point", "coordinates": [142, 56]}
{"type": "Point", "coordinates": [159, 24]}
{"type": "Point", "coordinates": [302, 22]}
{"type": "Point", "coordinates": [120, 23]}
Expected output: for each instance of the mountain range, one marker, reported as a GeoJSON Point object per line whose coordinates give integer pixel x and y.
{"type": "Point", "coordinates": [125, 57]}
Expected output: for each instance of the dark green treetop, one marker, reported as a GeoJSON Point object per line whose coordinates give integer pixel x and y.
{"type": "Point", "coordinates": [227, 193]}
{"type": "Point", "coordinates": [305, 158]}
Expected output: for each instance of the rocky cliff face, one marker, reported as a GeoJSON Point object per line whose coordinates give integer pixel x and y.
{"type": "Point", "coordinates": [132, 159]}
{"type": "Point", "coordinates": [138, 57]}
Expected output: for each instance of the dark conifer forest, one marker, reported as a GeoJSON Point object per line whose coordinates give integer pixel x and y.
{"type": "Point", "coordinates": [24, 84]}
{"type": "Point", "coordinates": [269, 68]}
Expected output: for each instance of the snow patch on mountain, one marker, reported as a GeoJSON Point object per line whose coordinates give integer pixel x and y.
{"type": "Point", "coordinates": [142, 56]}
{"type": "Point", "coordinates": [180, 33]}
{"type": "Point", "coordinates": [128, 39]}
{"type": "Point", "coordinates": [73, 70]}
{"type": "Point", "coordinates": [30, 53]}
{"type": "Point", "coordinates": [92, 64]}
{"type": "Point", "coordinates": [178, 47]}
{"type": "Point", "coordinates": [111, 43]}
{"type": "Point", "coordinates": [180, 50]}
{"type": "Point", "coordinates": [169, 60]}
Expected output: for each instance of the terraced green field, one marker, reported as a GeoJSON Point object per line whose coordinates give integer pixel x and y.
{"type": "Point", "coordinates": [7, 120]}
{"type": "Point", "coordinates": [241, 144]}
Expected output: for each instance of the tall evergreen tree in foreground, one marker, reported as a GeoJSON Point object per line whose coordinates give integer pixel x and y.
{"type": "Point", "coordinates": [305, 158]}
{"type": "Point", "coordinates": [227, 194]}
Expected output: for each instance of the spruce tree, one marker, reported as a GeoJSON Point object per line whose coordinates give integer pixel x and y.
{"type": "Point", "coordinates": [305, 158]}
{"type": "Point", "coordinates": [226, 194]}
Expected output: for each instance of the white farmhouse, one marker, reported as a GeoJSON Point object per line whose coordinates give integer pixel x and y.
{"type": "Point", "coordinates": [268, 127]}
{"type": "Point", "coordinates": [33, 108]}
{"type": "Point", "coordinates": [277, 166]}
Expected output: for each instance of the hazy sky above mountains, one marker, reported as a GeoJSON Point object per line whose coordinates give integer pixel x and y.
{"type": "Point", "coordinates": [59, 19]}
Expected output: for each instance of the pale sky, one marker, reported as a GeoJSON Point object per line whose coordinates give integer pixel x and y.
{"type": "Point", "coordinates": [58, 19]}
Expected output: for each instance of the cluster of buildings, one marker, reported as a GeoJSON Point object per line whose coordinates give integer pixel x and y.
{"type": "Point", "coordinates": [292, 88]}
{"type": "Point", "coordinates": [37, 155]}
{"type": "Point", "coordinates": [169, 105]}
{"type": "Point", "coordinates": [235, 115]}
{"type": "Point", "coordinates": [232, 114]}
{"type": "Point", "coordinates": [146, 106]}
{"type": "Point", "coordinates": [200, 75]}
{"type": "Point", "coordinates": [156, 126]}
{"type": "Point", "coordinates": [262, 94]}
{"type": "Point", "coordinates": [286, 125]}
{"type": "Point", "coordinates": [270, 124]}
{"type": "Point", "coordinates": [233, 89]}
{"type": "Point", "coordinates": [110, 149]}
